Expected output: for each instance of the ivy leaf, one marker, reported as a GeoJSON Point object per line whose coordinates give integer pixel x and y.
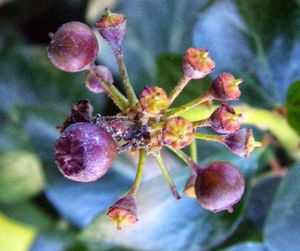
{"type": "Point", "coordinates": [293, 106]}
{"type": "Point", "coordinates": [281, 230]}
{"type": "Point", "coordinates": [256, 40]}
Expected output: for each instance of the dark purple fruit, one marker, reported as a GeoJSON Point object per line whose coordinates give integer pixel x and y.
{"type": "Point", "coordinates": [219, 186]}
{"type": "Point", "coordinates": [84, 152]}
{"type": "Point", "coordinates": [73, 47]}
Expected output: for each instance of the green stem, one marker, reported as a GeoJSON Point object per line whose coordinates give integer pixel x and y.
{"type": "Point", "coordinates": [209, 137]}
{"type": "Point", "coordinates": [201, 123]}
{"type": "Point", "coordinates": [261, 118]}
{"type": "Point", "coordinates": [124, 75]}
{"type": "Point", "coordinates": [193, 151]}
{"type": "Point", "coordinates": [203, 98]}
{"type": "Point", "coordinates": [179, 87]}
{"type": "Point", "coordinates": [112, 92]}
{"type": "Point", "coordinates": [188, 160]}
{"type": "Point", "coordinates": [139, 173]}
{"type": "Point", "coordinates": [166, 175]}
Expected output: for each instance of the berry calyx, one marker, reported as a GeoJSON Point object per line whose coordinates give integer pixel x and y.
{"type": "Point", "coordinates": [178, 132]}
{"type": "Point", "coordinates": [219, 186]}
{"type": "Point", "coordinates": [225, 87]}
{"type": "Point", "coordinates": [84, 152]}
{"type": "Point", "coordinates": [225, 120]}
{"type": "Point", "coordinates": [73, 47]}
{"type": "Point", "coordinates": [123, 212]}
{"type": "Point", "coordinates": [197, 63]}
{"type": "Point", "coordinates": [92, 80]}
{"type": "Point", "coordinates": [112, 27]}
{"type": "Point", "coordinates": [154, 100]}
{"type": "Point", "coordinates": [241, 143]}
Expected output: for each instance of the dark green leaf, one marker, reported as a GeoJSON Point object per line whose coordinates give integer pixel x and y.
{"type": "Point", "coordinates": [282, 227]}
{"type": "Point", "coordinates": [293, 106]}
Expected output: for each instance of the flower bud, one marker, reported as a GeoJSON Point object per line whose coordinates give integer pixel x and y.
{"type": "Point", "coordinates": [241, 142]}
{"type": "Point", "coordinates": [92, 80]}
{"type": "Point", "coordinates": [197, 63]}
{"type": "Point", "coordinates": [219, 186]}
{"type": "Point", "coordinates": [112, 27]}
{"type": "Point", "coordinates": [189, 188]}
{"type": "Point", "coordinates": [123, 212]}
{"type": "Point", "coordinates": [178, 132]}
{"type": "Point", "coordinates": [225, 87]}
{"type": "Point", "coordinates": [73, 47]}
{"type": "Point", "coordinates": [154, 100]}
{"type": "Point", "coordinates": [225, 120]}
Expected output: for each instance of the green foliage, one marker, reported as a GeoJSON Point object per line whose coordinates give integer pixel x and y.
{"type": "Point", "coordinates": [21, 176]}
{"type": "Point", "coordinates": [293, 106]}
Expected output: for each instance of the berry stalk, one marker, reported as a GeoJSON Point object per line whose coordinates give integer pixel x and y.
{"type": "Point", "coordinates": [197, 101]}
{"type": "Point", "coordinates": [193, 151]}
{"type": "Point", "coordinates": [139, 173]}
{"type": "Point", "coordinates": [178, 88]}
{"type": "Point", "coordinates": [112, 92]}
{"type": "Point", "coordinates": [166, 175]}
{"type": "Point", "coordinates": [209, 137]}
{"type": "Point", "coordinates": [126, 81]}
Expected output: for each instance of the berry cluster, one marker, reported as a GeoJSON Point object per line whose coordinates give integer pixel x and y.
{"type": "Point", "coordinates": [88, 144]}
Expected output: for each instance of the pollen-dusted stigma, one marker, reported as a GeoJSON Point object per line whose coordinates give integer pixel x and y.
{"type": "Point", "coordinates": [146, 123]}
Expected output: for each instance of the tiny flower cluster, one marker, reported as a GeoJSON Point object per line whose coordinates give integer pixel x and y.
{"type": "Point", "coordinates": [88, 145]}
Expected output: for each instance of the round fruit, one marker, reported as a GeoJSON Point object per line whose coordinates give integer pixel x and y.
{"type": "Point", "coordinates": [219, 186]}
{"type": "Point", "coordinates": [93, 82]}
{"type": "Point", "coordinates": [84, 152]}
{"type": "Point", "coordinates": [73, 47]}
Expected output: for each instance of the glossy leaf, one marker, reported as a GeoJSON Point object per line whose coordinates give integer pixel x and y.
{"type": "Point", "coordinates": [281, 230]}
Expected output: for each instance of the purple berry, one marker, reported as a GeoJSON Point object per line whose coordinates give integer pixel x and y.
{"type": "Point", "coordinates": [92, 80]}
{"type": "Point", "coordinates": [84, 152]}
{"type": "Point", "coordinates": [73, 47]}
{"type": "Point", "coordinates": [219, 186]}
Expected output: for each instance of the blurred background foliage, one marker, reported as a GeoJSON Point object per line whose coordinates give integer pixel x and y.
{"type": "Point", "coordinates": [258, 40]}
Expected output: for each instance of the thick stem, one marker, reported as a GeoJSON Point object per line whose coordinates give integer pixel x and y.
{"type": "Point", "coordinates": [112, 92]}
{"type": "Point", "coordinates": [124, 75]}
{"type": "Point", "coordinates": [203, 98]}
{"type": "Point", "coordinates": [139, 173]}
{"type": "Point", "coordinates": [166, 175]}
{"type": "Point", "coordinates": [179, 87]}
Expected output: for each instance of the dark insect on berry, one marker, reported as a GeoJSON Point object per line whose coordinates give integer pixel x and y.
{"type": "Point", "coordinates": [84, 152]}
{"type": "Point", "coordinates": [219, 186]}
{"type": "Point", "coordinates": [73, 47]}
